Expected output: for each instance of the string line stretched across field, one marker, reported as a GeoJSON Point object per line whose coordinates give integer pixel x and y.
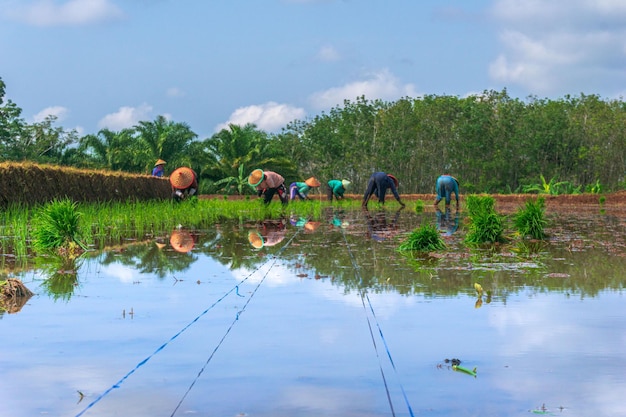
{"type": "Point", "coordinates": [239, 313]}
{"type": "Point", "coordinates": [235, 289]}
{"type": "Point", "coordinates": [365, 297]}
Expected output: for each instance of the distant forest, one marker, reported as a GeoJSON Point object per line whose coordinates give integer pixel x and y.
{"type": "Point", "coordinates": [491, 142]}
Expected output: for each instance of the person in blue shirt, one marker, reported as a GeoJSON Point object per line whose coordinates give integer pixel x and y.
{"type": "Point", "coordinates": [159, 168]}
{"type": "Point", "coordinates": [378, 184]}
{"type": "Point", "coordinates": [446, 185]}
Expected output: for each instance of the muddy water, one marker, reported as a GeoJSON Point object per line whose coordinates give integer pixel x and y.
{"type": "Point", "coordinates": [289, 318]}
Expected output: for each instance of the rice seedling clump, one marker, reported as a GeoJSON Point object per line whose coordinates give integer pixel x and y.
{"type": "Point", "coordinates": [486, 226]}
{"type": "Point", "coordinates": [529, 220]}
{"type": "Point", "coordinates": [56, 226]}
{"type": "Point", "coordinates": [425, 238]}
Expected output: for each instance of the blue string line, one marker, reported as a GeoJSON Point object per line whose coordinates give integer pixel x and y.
{"type": "Point", "coordinates": [363, 297]}
{"type": "Point", "coordinates": [231, 326]}
{"type": "Point", "coordinates": [160, 348]}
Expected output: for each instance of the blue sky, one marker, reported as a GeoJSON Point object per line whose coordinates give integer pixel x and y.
{"type": "Point", "coordinates": [112, 63]}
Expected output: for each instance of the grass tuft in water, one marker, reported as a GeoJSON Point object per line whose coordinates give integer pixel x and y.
{"type": "Point", "coordinates": [419, 206]}
{"type": "Point", "coordinates": [530, 221]}
{"type": "Point", "coordinates": [56, 226]}
{"type": "Point", "coordinates": [486, 226]}
{"type": "Point", "coordinates": [425, 238]}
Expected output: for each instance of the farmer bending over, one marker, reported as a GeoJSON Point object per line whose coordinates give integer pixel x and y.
{"type": "Point", "coordinates": [268, 183]}
{"type": "Point", "coordinates": [378, 184]}
{"type": "Point", "coordinates": [446, 185]}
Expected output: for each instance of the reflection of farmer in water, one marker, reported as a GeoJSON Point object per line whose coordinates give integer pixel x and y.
{"type": "Point", "coordinates": [446, 224]}
{"type": "Point", "coordinates": [378, 226]}
{"type": "Point", "coordinates": [268, 233]}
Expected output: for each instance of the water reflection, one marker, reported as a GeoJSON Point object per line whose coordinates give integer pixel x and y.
{"type": "Point", "coordinates": [60, 275]}
{"type": "Point", "coordinates": [380, 226]}
{"type": "Point", "coordinates": [267, 233]}
{"type": "Point", "coordinates": [446, 222]}
{"type": "Point", "coordinates": [549, 312]}
{"type": "Point", "coordinates": [569, 261]}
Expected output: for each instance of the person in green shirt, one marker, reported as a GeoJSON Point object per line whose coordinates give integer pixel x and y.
{"type": "Point", "coordinates": [336, 188]}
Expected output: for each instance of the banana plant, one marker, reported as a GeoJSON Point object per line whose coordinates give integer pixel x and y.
{"type": "Point", "coordinates": [239, 183]}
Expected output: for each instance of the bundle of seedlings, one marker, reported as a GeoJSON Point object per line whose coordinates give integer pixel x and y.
{"type": "Point", "coordinates": [485, 225]}
{"type": "Point", "coordinates": [529, 220]}
{"type": "Point", "coordinates": [56, 228]}
{"type": "Point", "coordinates": [425, 238]}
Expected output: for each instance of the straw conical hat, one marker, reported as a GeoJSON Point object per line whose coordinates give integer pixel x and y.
{"type": "Point", "coordinates": [255, 240]}
{"type": "Point", "coordinates": [346, 184]}
{"type": "Point", "coordinates": [160, 162]}
{"type": "Point", "coordinates": [181, 241]}
{"type": "Point", "coordinates": [182, 178]}
{"type": "Point", "coordinates": [394, 179]}
{"type": "Point", "coordinates": [312, 182]}
{"type": "Point", "coordinates": [311, 226]}
{"type": "Point", "coordinates": [256, 177]}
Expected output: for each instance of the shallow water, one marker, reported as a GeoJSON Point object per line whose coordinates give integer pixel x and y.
{"type": "Point", "coordinates": [326, 319]}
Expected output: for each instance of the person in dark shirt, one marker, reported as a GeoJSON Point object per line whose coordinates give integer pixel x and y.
{"type": "Point", "coordinates": [378, 184]}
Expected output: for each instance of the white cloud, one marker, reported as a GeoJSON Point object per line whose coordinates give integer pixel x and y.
{"type": "Point", "coordinates": [175, 92]}
{"type": "Point", "coordinates": [125, 117]}
{"type": "Point", "coordinates": [557, 46]}
{"type": "Point", "coordinates": [328, 54]}
{"type": "Point", "coordinates": [122, 273]}
{"type": "Point", "coordinates": [382, 85]}
{"type": "Point", "coordinates": [59, 112]}
{"type": "Point", "coordinates": [270, 116]}
{"type": "Point", "coordinates": [72, 12]}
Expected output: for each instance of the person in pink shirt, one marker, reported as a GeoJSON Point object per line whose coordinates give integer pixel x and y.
{"type": "Point", "coordinates": [268, 183]}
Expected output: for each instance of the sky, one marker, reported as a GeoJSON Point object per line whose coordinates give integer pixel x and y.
{"type": "Point", "coordinates": [98, 64]}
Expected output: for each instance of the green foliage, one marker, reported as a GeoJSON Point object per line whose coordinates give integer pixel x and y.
{"type": "Point", "coordinates": [419, 206]}
{"type": "Point", "coordinates": [235, 185]}
{"type": "Point", "coordinates": [56, 226]}
{"type": "Point", "coordinates": [595, 188]}
{"type": "Point", "coordinates": [496, 142]}
{"type": "Point", "coordinates": [479, 204]}
{"type": "Point", "coordinates": [551, 188]}
{"type": "Point", "coordinates": [530, 221]}
{"type": "Point", "coordinates": [485, 225]}
{"type": "Point", "coordinates": [425, 238]}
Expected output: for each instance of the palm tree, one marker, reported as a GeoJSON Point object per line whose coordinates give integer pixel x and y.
{"type": "Point", "coordinates": [166, 140]}
{"type": "Point", "coordinates": [233, 150]}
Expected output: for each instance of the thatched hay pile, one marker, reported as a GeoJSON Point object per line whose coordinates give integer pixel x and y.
{"type": "Point", "coordinates": [13, 295]}
{"type": "Point", "coordinates": [28, 183]}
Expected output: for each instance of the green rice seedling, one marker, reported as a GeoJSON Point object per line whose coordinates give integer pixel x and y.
{"type": "Point", "coordinates": [477, 204]}
{"type": "Point", "coordinates": [530, 221]}
{"type": "Point", "coordinates": [602, 200]}
{"type": "Point", "coordinates": [425, 238]}
{"type": "Point", "coordinates": [485, 225]}
{"type": "Point", "coordinates": [419, 206]}
{"type": "Point", "coordinates": [56, 226]}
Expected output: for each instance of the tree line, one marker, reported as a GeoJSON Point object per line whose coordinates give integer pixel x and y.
{"type": "Point", "coordinates": [491, 142]}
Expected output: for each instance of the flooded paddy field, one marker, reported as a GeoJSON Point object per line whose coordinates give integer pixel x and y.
{"type": "Point", "coordinates": [295, 318]}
